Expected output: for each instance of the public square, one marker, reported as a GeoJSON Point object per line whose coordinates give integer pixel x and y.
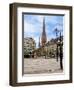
{"type": "Point", "coordinates": [40, 65]}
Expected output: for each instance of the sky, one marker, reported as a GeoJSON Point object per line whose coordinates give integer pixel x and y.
{"type": "Point", "coordinates": [33, 26]}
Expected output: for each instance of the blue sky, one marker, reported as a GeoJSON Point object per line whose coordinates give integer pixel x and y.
{"type": "Point", "coordinates": [33, 26]}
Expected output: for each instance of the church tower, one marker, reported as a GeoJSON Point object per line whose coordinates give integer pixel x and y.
{"type": "Point", "coordinates": [44, 37]}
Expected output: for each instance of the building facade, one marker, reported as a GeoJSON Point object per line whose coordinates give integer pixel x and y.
{"type": "Point", "coordinates": [29, 46]}
{"type": "Point", "coordinates": [50, 49]}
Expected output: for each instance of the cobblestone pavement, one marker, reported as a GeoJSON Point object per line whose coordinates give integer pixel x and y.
{"type": "Point", "coordinates": [37, 66]}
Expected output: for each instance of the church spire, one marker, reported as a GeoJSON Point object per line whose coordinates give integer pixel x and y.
{"type": "Point", "coordinates": [44, 26]}
{"type": "Point", "coordinates": [44, 38]}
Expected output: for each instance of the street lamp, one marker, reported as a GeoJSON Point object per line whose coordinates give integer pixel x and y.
{"type": "Point", "coordinates": [59, 30]}
{"type": "Point", "coordinates": [59, 43]}
{"type": "Point", "coordinates": [61, 53]}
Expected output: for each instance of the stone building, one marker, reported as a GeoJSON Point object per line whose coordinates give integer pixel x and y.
{"type": "Point", "coordinates": [49, 50]}
{"type": "Point", "coordinates": [53, 47]}
{"type": "Point", "coordinates": [29, 46]}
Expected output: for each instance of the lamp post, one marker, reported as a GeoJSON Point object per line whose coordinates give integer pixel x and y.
{"type": "Point", "coordinates": [61, 53]}
{"type": "Point", "coordinates": [59, 30]}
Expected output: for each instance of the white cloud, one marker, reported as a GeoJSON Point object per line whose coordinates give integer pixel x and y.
{"type": "Point", "coordinates": [51, 19]}
{"type": "Point", "coordinates": [28, 27]}
{"type": "Point", "coordinates": [31, 30]}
